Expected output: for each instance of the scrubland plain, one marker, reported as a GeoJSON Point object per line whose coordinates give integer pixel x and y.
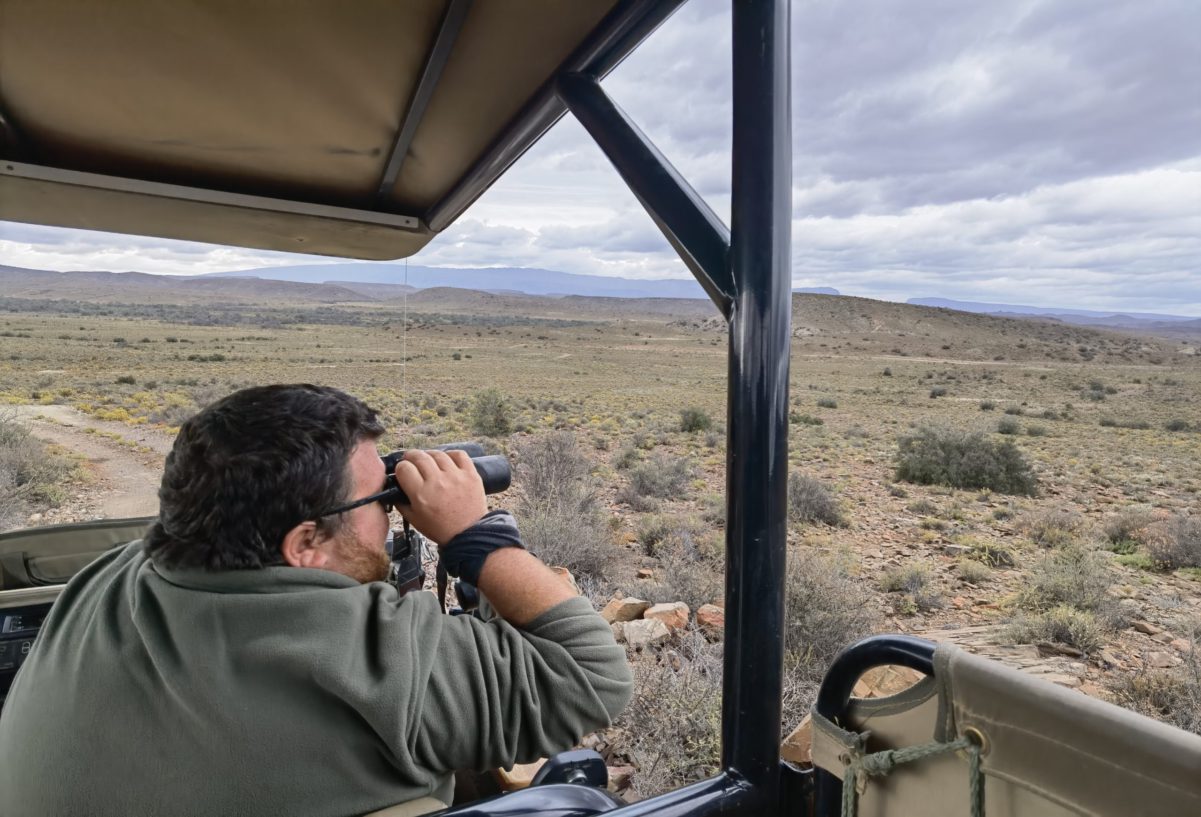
{"type": "Point", "coordinates": [1058, 528]}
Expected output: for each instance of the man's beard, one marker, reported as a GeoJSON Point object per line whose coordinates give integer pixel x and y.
{"type": "Point", "coordinates": [361, 561]}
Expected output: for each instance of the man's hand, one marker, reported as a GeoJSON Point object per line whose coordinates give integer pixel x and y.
{"type": "Point", "coordinates": [446, 494]}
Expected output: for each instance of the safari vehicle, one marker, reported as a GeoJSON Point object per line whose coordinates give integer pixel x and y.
{"type": "Point", "coordinates": [362, 130]}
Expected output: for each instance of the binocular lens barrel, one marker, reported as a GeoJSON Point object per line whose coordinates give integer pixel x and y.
{"type": "Point", "coordinates": [493, 469]}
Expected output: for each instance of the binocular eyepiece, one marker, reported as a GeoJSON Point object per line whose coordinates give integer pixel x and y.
{"type": "Point", "coordinates": [493, 469]}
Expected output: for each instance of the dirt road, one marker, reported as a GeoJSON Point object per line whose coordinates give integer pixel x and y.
{"type": "Point", "coordinates": [123, 463]}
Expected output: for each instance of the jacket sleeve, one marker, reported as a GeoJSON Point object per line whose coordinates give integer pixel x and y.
{"type": "Point", "coordinates": [495, 695]}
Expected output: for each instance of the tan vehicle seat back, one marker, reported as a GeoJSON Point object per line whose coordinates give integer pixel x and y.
{"type": "Point", "coordinates": [1046, 751]}
{"type": "Point", "coordinates": [38, 557]}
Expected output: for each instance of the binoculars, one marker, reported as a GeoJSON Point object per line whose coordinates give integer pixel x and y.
{"type": "Point", "coordinates": [493, 469]}
{"type": "Point", "coordinates": [404, 546]}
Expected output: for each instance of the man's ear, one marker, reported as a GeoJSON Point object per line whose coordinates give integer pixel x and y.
{"type": "Point", "coordinates": [302, 546]}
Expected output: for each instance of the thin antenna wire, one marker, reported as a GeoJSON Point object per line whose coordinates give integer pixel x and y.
{"type": "Point", "coordinates": [404, 350]}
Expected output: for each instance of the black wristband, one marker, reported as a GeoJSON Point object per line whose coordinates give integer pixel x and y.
{"type": "Point", "coordinates": [464, 555]}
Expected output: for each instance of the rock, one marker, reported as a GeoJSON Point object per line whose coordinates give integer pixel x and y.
{"type": "Point", "coordinates": [798, 746]}
{"type": "Point", "coordinates": [519, 777]}
{"type": "Point", "coordinates": [1145, 627]}
{"type": "Point", "coordinates": [624, 609]}
{"type": "Point", "coordinates": [1056, 648]}
{"type": "Point", "coordinates": [1161, 660]}
{"type": "Point", "coordinates": [674, 615]}
{"type": "Point", "coordinates": [1181, 645]}
{"type": "Point", "coordinates": [959, 602]}
{"type": "Point", "coordinates": [645, 633]}
{"type": "Point", "coordinates": [619, 631]}
{"type": "Point", "coordinates": [880, 682]}
{"type": "Point", "coordinates": [620, 777]}
{"type": "Point", "coordinates": [1063, 679]}
{"type": "Point", "coordinates": [956, 550]}
{"type": "Point", "coordinates": [645, 573]}
{"type": "Point", "coordinates": [1163, 637]}
{"type": "Point", "coordinates": [1108, 658]}
{"type": "Point", "coordinates": [34, 518]}
{"type": "Point", "coordinates": [565, 575]}
{"type": "Point", "coordinates": [711, 619]}
{"type": "Point", "coordinates": [592, 741]}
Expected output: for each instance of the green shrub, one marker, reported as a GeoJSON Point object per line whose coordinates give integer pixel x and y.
{"type": "Point", "coordinates": [1061, 624]}
{"type": "Point", "coordinates": [1036, 431]}
{"type": "Point", "coordinates": [627, 458]}
{"type": "Point", "coordinates": [991, 554]}
{"type": "Point", "coordinates": [1125, 529]}
{"type": "Point", "coordinates": [827, 402]}
{"type": "Point", "coordinates": [654, 531]}
{"type": "Point", "coordinates": [938, 391]}
{"type": "Point", "coordinates": [1175, 543]}
{"type": "Point", "coordinates": [1138, 425]}
{"type": "Point", "coordinates": [1009, 426]}
{"type": "Point", "coordinates": [913, 582]}
{"type": "Point", "coordinates": [1016, 411]}
{"type": "Point", "coordinates": [127, 379]}
{"type": "Point", "coordinates": [1177, 425]}
{"type": "Point", "coordinates": [1075, 576]}
{"type": "Point", "coordinates": [1053, 528]}
{"type": "Point", "coordinates": [490, 413]}
{"type": "Point", "coordinates": [805, 419]}
{"type": "Point", "coordinates": [694, 419]}
{"type": "Point", "coordinates": [662, 477]}
{"type": "Point", "coordinates": [972, 571]}
{"type": "Point", "coordinates": [825, 612]}
{"type": "Point", "coordinates": [987, 405]}
{"type": "Point", "coordinates": [966, 460]}
{"type": "Point", "coordinates": [560, 513]}
{"type": "Point", "coordinates": [1172, 696]}
{"type": "Point", "coordinates": [809, 501]}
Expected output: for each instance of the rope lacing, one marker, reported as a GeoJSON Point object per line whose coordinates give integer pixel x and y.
{"type": "Point", "coordinates": [880, 764]}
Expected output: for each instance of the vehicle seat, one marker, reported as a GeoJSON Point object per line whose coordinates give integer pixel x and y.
{"type": "Point", "coordinates": [413, 808]}
{"type": "Point", "coordinates": [1047, 751]}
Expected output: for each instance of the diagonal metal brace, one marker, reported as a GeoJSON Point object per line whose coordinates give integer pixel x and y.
{"type": "Point", "coordinates": [448, 32]}
{"type": "Point", "coordinates": [688, 223]}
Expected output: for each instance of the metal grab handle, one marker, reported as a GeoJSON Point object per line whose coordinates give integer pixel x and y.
{"type": "Point", "coordinates": [839, 682]}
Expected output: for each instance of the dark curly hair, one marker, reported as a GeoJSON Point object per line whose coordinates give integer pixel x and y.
{"type": "Point", "coordinates": [250, 467]}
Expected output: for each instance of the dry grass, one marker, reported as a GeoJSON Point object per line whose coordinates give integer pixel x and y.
{"type": "Point", "coordinates": [559, 513]}
{"type": "Point", "coordinates": [1175, 543]}
{"type": "Point", "coordinates": [671, 730]}
{"type": "Point", "coordinates": [825, 612]}
{"type": "Point", "coordinates": [31, 475]}
{"type": "Point", "coordinates": [1173, 696]}
{"type": "Point", "coordinates": [618, 382]}
{"type": "Point", "coordinates": [809, 501]}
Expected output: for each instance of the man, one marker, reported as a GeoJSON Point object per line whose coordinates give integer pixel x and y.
{"type": "Point", "coordinates": [247, 659]}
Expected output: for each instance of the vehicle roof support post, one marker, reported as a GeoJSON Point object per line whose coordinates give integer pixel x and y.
{"type": "Point", "coordinates": [688, 223]}
{"type": "Point", "coordinates": [757, 445]}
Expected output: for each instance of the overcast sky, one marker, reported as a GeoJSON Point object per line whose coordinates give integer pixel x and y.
{"type": "Point", "coordinates": [1045, 153]}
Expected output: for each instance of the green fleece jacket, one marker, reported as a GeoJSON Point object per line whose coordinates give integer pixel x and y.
{"type": "Point", "coordinates": [284, 691]}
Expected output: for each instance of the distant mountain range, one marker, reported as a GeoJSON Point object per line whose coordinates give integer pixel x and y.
{"type": "Point", "coordinates": [1080, 317]}
{"type": "Point", "coordinates": [491, 279]}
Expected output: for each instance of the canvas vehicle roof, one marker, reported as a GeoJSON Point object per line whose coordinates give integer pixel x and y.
{"type": "Point", "coordinates": [356, 134]}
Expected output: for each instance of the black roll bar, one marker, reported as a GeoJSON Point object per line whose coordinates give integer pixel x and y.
{"type": "Point", "coordinates": [747, 272]}
{"type": "Point", "coordinates": [760, 319]}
